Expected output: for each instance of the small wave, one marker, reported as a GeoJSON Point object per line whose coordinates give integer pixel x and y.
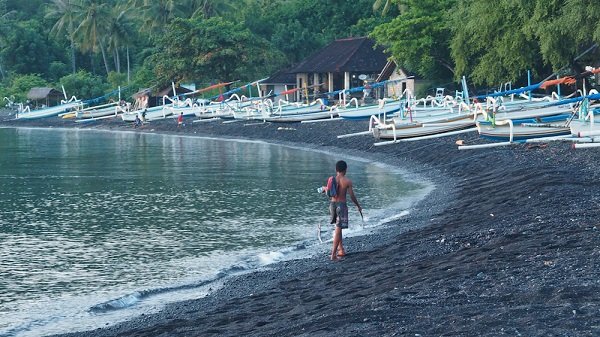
{"type": "Point", "coordinates": [132, 299]}
{"type": "Point", "coordinates": [270, 257]}
{"type": "Point", "coordinates": [393, 217]}
{"type": "Point", "coordinates": [116, 304]}
{"type": "Point", "coordinates": [135, 298]}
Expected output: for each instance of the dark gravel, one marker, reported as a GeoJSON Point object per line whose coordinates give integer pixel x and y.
{"type": "Point", "coordinates": [507, 244]}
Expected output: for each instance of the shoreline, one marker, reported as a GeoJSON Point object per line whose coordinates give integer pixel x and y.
{"type": "Point", "coordinates": [507, 243]}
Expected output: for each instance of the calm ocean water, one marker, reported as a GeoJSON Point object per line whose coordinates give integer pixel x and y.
{"type": "Point", "coordinates": [97, 227]}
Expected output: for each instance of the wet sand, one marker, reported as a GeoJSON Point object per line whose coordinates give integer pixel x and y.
{"type": "Point", "coordinates": [507, 244]}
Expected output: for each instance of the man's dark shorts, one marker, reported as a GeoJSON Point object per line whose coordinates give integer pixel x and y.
{"type": "Point", "coordinates": [339, 214]}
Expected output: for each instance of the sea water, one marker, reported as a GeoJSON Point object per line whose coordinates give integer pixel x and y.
{"type": "Point", "coordinates": [98, 227]}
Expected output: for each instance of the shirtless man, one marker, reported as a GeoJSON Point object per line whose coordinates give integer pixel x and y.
{"type": "Point", "coordinates": [339, 208]}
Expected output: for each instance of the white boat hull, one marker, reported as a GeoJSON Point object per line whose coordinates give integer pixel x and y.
{"type": "Point", "coordinates": [365, 112]}
{"type": "Point", "coordinates": [294, 118]}
{"type": "Point", "coordinates": [419, 130]}
{"type": "Point", "coordinates": [48, 112]}
{"type": "Point", "coordinates": [521, 132]}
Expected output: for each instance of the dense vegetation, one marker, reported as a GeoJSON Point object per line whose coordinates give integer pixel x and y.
{"type": "Point", "coordinates": [92, 46]}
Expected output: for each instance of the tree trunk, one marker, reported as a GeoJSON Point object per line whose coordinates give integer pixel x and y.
{"type": "Point", "coordinates": [118, 60]}
{"type": "Point", "coordinates": [73, 68]}
{"type": "Point", "coordinates": [72, 40]}
{"type": "Point", "coordinates": [128, 66]}
{"type": "Point", "coordinates": [107, 68]}
{"type": "Point", "coordinates": [114, 55]}
{"type": "Point", "coordinates": [92, 63]}
{"type": "Point", "coordinates": [446, 65]}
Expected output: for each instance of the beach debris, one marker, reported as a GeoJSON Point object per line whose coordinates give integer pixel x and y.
{"type": "Point", "coordinates": [460, 142]}
{"type": "Point", "coordinates": [491, 214]}
{"type": "Point", "coordinates": [548, 263]}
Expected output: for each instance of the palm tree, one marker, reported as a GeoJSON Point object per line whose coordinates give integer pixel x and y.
{"type": "Point", "coordinates": [120, 31]}
{"type": "Point", "coordinates": [211, 8]}
{"type": "Point", "coordinates": [384, 6]}
{"type": "Point", "coordinates": [4, 29]}
{"type": "Point", "coordinates": [67, 14]}
{"type": "Point", "coordinates": [158, 13]}
{"type": "Point", "coordinates": [91, 31]}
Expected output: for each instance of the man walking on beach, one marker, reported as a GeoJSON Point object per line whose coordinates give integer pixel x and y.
{"type": "Point", "coordinates": [339, 208]}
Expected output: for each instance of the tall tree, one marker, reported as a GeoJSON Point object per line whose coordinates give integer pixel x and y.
{"type": "Point", "coordinates": [120, 32]}
{"type": "Point", "coordinates": [565, 29]}
{"type": "Point", "coordinates": [156, 14]}
{"type": "Point", "coordinates": [212, 49]}
{"type": "Point", "coordinates": [27, 49]}
{"type": "Point", "coordinates": [212, 8]}
{"type": "Point", "coordinates": [418, 39]}
{"type": "Point", "coordinates": [386, 7]}
{"type": "Point", "coordinates": [3, 33]}
{"type": "Point", "coordinates": [520, 35]}
{"type": "Point", "coordinates": [91, 31]}
{"type": "Point", "coordinates": [299, 28]}
{"type": "Point", "coordinates": [67, 14]}
{"type": "Point", "coordinates": [497, 49]}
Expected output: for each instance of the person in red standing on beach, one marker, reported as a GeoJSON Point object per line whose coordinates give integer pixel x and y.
{"type": "Point", "coordinates": [338, 208]}
{"type": "Point", "coordinates": [180, 120]}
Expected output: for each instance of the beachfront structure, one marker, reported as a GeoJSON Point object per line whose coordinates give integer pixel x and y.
{"type": "Point", "coordinates": [343, 64]}
{"type": "Point", "coordinates": [279, 82]}
{"type": "Point", "coordinates": [44, 96]}
{"type": "Point", "coordinates": [402, 81]}
{"type": "Point", "coordinates": [156, 98]}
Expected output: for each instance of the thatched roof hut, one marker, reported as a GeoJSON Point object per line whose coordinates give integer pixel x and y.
{"type": "Point", "coordinates": [46, 96]}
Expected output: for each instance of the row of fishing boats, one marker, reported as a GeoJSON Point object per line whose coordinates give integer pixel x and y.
{"type": "Point", "coordinates": [506, 116]}
{"type": "Point", "coordinates": [235, 107]}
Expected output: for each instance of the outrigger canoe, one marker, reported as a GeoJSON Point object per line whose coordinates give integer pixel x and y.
{"type": "Point", "coordinates": [49, 112]}
{"type": "Point", "coordinates": [522, 132]}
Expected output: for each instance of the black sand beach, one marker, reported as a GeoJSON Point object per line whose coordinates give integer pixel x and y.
{"type": "Point", "coordinates": [507, 244]}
